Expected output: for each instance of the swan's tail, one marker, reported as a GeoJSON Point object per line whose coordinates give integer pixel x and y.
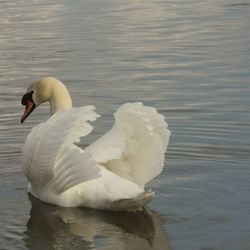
{"type": "Point", "coordinates": [132, 204]}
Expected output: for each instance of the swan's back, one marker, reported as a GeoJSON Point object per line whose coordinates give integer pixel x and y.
{"type": "Point", "coordinates": [108, 174]}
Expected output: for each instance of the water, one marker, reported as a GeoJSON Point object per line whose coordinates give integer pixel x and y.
{"type": "Point", "coordinates": [190, 60]}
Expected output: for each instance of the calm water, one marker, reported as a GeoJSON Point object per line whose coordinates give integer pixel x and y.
{"type": "Point", "coordinates": [190, 60]}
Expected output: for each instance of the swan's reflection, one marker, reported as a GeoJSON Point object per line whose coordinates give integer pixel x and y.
{"type": "Point", "coordinates": [52, 227]}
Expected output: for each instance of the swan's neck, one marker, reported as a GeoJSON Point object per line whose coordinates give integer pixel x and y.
{"type": "Point", "coordinates": [60, 99]}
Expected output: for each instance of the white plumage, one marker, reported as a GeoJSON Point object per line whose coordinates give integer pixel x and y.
{"type": "Point", "coordinates": [108, 174]}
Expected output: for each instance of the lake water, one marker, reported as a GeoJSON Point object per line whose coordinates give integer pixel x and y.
{"type": "Point", "coordinates": [190, 60]}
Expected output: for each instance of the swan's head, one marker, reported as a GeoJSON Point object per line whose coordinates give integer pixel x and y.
{"type": "Point", "coordinates": [46, 89]}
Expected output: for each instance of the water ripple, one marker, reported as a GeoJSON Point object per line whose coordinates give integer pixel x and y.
{"type": "Point", "coordinates": [189, 59]}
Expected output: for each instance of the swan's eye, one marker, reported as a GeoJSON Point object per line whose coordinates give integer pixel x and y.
{"type": "Point", "coordinates": [27, 97]}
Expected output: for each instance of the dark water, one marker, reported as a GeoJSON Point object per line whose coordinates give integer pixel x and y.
{"type": "Point", "coordinates": [190, 60]}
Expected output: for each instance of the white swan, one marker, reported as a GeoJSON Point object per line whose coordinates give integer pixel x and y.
{"type": "Point", "coordinates": [110, 173]}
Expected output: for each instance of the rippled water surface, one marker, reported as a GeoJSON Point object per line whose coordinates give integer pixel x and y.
{"type": "Point", "coordinates": [190, 60]}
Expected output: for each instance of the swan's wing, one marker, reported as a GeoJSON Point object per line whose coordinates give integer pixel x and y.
{"type": "Point", "coordinates": [134, 148]}
{"type": "Point", "coordinates": [51, 160]}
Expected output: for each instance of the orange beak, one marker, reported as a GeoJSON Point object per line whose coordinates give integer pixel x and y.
{"type": "Point", "coordinates": [30, 106]}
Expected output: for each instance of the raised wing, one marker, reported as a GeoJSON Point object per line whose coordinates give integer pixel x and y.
{"type": "Point", "coordinates": [51, 160]}
{"type": "Point", "coordinates": [135, 146]}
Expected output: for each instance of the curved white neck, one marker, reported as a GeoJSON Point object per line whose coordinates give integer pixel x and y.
{"type": "Point", "coordinates": [60, 99]}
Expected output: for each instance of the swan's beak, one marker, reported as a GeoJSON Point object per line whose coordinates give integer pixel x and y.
{"type": "Point", "coordinates": [30, 105]}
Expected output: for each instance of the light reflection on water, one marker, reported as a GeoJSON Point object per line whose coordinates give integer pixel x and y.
{"type": "Point", "coordinates": [78, 228]}
{"type": "Point", "coordinates": [189, 59]}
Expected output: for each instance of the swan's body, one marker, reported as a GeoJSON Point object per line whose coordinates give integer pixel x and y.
{"type": "Point", "coordinates": [108, 174]}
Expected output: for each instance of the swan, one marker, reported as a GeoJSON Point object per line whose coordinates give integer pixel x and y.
{"type": "Point", "coordinates": [110, 173]}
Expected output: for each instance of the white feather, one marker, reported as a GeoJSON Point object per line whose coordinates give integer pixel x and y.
{"type": "Point", "coordinates": [51, 160]}
{"type": "Point", "coordinates": [134, 148]}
